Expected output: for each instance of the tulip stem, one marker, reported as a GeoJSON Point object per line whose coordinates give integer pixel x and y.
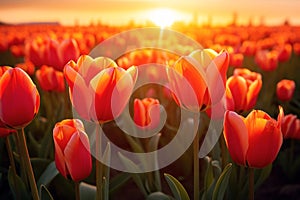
{"type": "Point", "coordinates": [99, 165]}
{"type": "Point", "coordinates": [24, 155]}
{"type": "Point", "coordinates": [13, 166]}
{"type": "Point", "coordinates": [251, 183]}
{"type": "Point", "coordinates": [77, 194]}
{"type": "Point", "coordinates": [23, 169]}
{"type": "Point", "coordinates": [196, 159]}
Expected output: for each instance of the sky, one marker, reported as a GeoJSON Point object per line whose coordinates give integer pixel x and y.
{"type": "Point", "coordinates": [121, 11]}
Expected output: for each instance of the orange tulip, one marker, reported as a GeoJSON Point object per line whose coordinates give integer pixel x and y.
{"type": "Point", "coordinates": [244, 86]}
{"type": "Point", "coordinates": [193, 76]}
{"type": "Point", "coordinates": [19, 98]}
{"type": "Point", "coordinates": [146, 113]}
{"type": "Point", "coordinates": [255, 140]}
{"type": "Point", "coordinates": [285, 89]}
{"type": "Point", "coordinates": [99, 89]}
{"type": "Point", "coordinates": [72, 149]}
{"type": "Point", "coordinates": [284, 52]}
{"type": "Point", "coordinates": [236, 60]}
{"type": "Point", "coordinates": [50, 80]}
{"type": "Point", "coordinates": [290, 126]}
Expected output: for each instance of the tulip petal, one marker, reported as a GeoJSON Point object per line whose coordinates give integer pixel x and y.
{"type": "Point", "coordinates": [238, 89]}
{"type": "Point", "coordinates": [78, 157]}
{"type": "Point", "coordinates": [60, 159]}
{"type": "Point", "coordinates": [236, 137]}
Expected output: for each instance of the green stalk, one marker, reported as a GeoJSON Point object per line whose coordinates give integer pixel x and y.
{"type": "Point", "coordinates": [196, 159]}
{"type": "Point", "coordinates": [77, 194]}
{"type": "Point", "coordinates": [24, 155]}
{"type": "Point", "coordinates": [251, 183]}
{"type": "Point", "coordinates": [99, 165]}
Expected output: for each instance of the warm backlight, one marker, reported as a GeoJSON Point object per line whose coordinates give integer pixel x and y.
{"type": "Point", "coordinates": [163, 17]}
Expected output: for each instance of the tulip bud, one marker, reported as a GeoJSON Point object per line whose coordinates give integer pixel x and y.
{"type": "Point", "coordinates": [285, 89]}
{"type": "Point", "coordinates": [19, 98]}
{"type": "Point", "coordinates": [72, 149]}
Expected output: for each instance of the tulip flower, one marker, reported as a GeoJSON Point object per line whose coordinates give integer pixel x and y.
{"type": "Point", "coordinates": [284, 52]}
{"type": "Point", "coordinates": [236, 60]}
{"type": "Point", "coordinates": [290, 126]}
{"type": "Point", "coordinates": [285, 89]}
{"type": "Point", "coordinates": [267, 60]}
{"type": "Point", "coordinates": [99, 89]}
{"type": "Point", "coordinates": [72, 149]}
{"type": "Point", "coordinates": [50, 80]}
{"type": "Point", "coordinates": [58, 54]}
{"type": "Point", "coordinates": [255, 140]}
{"type": "Point", "coordinates": [146, 113]}
{"type": "Point", "coordinates": [193, 77]}
{"type": "Point", "coordinates": [245, 87]}
{"type": "Point", "coordinates": [19, 98]}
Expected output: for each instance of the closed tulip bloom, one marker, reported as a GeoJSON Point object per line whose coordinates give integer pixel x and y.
{"type": "Point", "coordinates": [99, 89]}
{"type": "Point", "coordinates": [290, 126]}
{"type": "Point", "coordinates": [267, 60]}
{"type": "Point", "coordinates": [72, 149]}
{"type": "Point", "coordinates": [245, 87]}
{"type": "Point", "coordinates": [192, 76]}
{"type": "Point", "coordinates": [146, 113]}
{"type": "Point", "coordinates": [285, 89]}
{"type": "Point", "coordinates": [50, 79]}
{"type": "Point", "coordinates": [253, 141]}
{"type": "Point", "coordinates": [19, 98]}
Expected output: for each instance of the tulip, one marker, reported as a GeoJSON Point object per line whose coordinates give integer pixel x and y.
{"type": "Point", "coordinates": [72, 149]}
{"type": "Point", "coordinates": [245, 87]}
{"type": "Point", "coordinates": [267, 60]}
{"type": "Point", "coordinates": [146, 113]}
{"type": "Point", "coordinates": [99, 89]}
{"type": "Point", "coordinates": [58, 54]}
{"type": "Point", "coordinates": [255, 140]}
{"type": "Point", "coordinates": [290, 126]}
{"type": "Point", "coordinates": [19, 98]}
{"type": "Point", "coordinates": [236, 60]}
{"type": "Point", "coordinates": [50, 80]}
{"type": "Point", "coordinates": [284, 52]}
{"type": "Point", "coordinates": [285, 89]}
{"type": "Point", "coordinates": [27, 66]}
{"type": "Point", "coordinates": [193, 77]}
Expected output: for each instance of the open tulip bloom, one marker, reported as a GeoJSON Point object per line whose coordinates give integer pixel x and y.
{"type": "Point", "coordinates": [255, 140]}
{"type": "Point", "coordinates": [99, 89]}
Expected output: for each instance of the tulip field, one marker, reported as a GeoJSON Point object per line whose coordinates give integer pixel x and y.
{"type": "Point", "coordinates": [130, 112]}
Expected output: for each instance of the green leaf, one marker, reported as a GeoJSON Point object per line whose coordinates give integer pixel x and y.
{"type": "Point", "coordinates": [222, 183]}
{"type": "Point", "coordinates": [136, 177]}
{"type": "Point", "coordinates": [45, 194]}
{"type": "Point", "coordinates": [176, 187]}
{"type": "Point", "coordinates": [158, 196]}
{"type": "Point", "coordinates": [19, 189]}
{"type": "Point", "coordinates": [262, 175]}
{"type": "Point", "coordinates": [48, 175]}
{"type": "Point", "coordinates": [87, 191]}
{"type": "Point", "coordinates": [117, 181]}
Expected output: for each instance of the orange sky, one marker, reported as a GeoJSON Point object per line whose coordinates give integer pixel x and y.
{"type": "Point", "coordinates": [121, 11]}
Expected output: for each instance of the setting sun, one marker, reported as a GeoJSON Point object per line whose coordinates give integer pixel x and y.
{"type": "Point", "coordinates": [163, 17]}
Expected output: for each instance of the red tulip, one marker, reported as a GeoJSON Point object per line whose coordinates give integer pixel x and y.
{"type": "Point", "coordinates": [50, 80]}
{"type": "Point", "coordinates": [245, 87]}
{"type": "Point", "coordinates": [255, 140]}
{"type": "Point", "coordinates": [290, 126]}
{"type": "Point", "coordinates": [284, 52]}
{"type": "Point", "coordinates": [267, 60]}
{"type": "Point", "coordinates": [192, 76]}
{"type": "Point", "coordinates": [99, 89]}
{"type": "Point", "coordinates": [146, 113]}
{"type": "Point", "coordinates": [27, 66]}
{"type": "Point", "coordinates": [72, 149]}
{"type": "Point", "coordinates": [60, 53]}
{"type": "Point", "coordinates": [19, 98]}
{"type": "Point", "coordinates": [285, 89]}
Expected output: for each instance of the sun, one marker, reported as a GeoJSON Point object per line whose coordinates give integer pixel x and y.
{"type": "Point", "coordinates": [163, 17]}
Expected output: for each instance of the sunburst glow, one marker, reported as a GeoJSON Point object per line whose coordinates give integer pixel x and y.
{"type": "Point", "coordinates": [164, 17]}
